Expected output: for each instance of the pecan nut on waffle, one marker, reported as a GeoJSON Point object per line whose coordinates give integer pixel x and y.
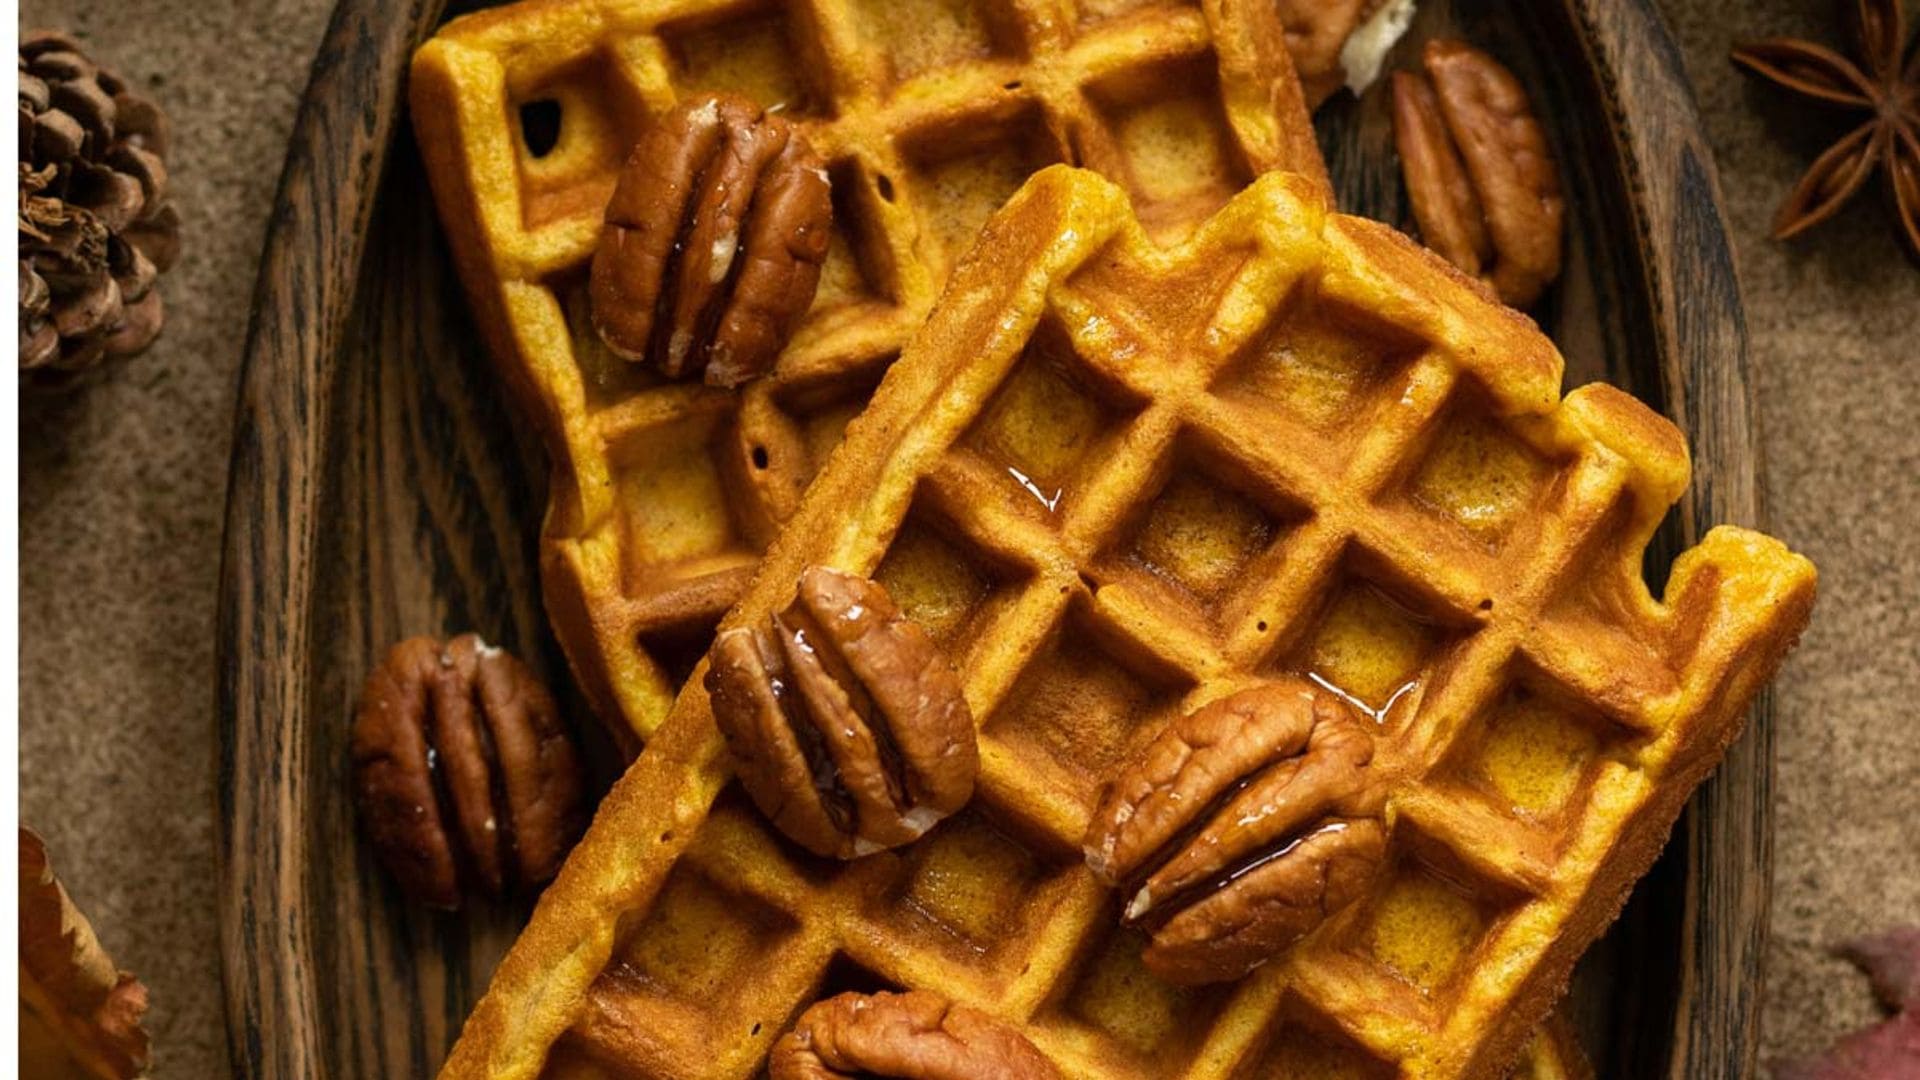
{"type": "Point", "coordinates": [927, 116]}
{"type": "Point", "coordinates": [848, 727]}
{"type": "Point", "coordinates": [1242, 826]}
{"type": "Point", "coordinates": [713, 241]}
{"type": "Point", "coordinates": [1118, 482]}
{"type": "Point", "coordinates": [921, 1036]}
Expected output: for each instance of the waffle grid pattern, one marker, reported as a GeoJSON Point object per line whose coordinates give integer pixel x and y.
{"type": "Point", "coordinates": [1119, 481]}
{"type": "Point", "coordinates": [929, 114]}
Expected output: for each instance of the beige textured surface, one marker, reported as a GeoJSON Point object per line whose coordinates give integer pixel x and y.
{"type": "Point", "coordinates": [121, 492]}
{"type": "Point", "coordinates": [1835, 320]}
{"type": "Point", "coordinates": [121, 502]}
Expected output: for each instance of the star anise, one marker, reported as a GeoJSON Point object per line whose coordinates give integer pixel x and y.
{"type": "Point", "coordinates": [1884, 84]}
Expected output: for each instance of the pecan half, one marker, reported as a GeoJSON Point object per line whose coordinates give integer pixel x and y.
{"type": "Point", "coordinates": [465, 775]}
{"type": "Point", "coordinates": [1484, 188]}
{"type": "Point", "coordinates": [910, 1036]}
{"type": "Point", "coordinates": [846, 722]}
{"type": "Point", "coordinates": [1443, 199]}
{"type": "Point", "coordinates": [713, 242]}
{"type": "Point", "coordinates": [1242, 827]}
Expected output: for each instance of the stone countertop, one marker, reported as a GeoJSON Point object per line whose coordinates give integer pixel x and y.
{"type": "Point", "coordinates": [121, 492]}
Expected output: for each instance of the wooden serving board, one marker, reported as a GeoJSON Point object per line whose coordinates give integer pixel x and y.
{"type": "Point", "coordinates": [379, 488]}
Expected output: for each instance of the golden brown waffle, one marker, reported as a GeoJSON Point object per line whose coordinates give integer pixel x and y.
{"type": "Point", "coordinates": [1554, 1053]}
{"type": "Point", "coordinates": [1118, 481]}
{"type": "Point", "coordinates": [929, 114]}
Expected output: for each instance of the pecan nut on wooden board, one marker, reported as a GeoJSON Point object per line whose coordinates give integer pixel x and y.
{"type": "Point", "coordinates": [1484, 187]}
{"type": "Point", "coordinates": [466, 776]}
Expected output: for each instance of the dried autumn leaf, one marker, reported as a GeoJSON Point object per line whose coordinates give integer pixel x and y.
{"type": "Point", "coordinates": [79, 1014]}
{"type": "Point", "coordinates": [1889, 1050]}
{"type": "Point", "coordinates": [1891, 962]}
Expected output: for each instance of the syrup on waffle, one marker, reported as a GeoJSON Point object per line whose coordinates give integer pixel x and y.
{"type": "Point", "coordinates": [929, 114]}
{"type": "Point", "coordinates": [1117, 481]}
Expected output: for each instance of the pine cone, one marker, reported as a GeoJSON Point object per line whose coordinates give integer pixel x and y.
{"type": "Point", "coordinates": [96, 228]}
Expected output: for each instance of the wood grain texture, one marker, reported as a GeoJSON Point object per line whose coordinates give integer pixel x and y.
{"type": "Point", "coordinates": [379, 488]}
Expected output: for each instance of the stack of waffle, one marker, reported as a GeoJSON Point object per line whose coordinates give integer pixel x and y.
{"type": "Point", "coordinates": [928, 116]}
{"type": "Point", "coordinates": [1158, 442]}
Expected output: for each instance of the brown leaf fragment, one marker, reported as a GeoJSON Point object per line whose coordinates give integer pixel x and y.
{"type": "Point", "coordinates": [79, 1013]}
{"type": "Point", "coordinates": [1891, 960]}
{"type": "Point", "coordinates": [1886, 1051]}
{"type": "Point", "coordinates": [1889, 1050]}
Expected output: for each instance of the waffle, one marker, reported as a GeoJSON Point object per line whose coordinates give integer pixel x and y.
{"type": "Point", "coordinates": [1116, 481]}
{"type": "Point", "coordinates": [929, 113]}
{"type": "Point", "coordinates": [1554, 1054]}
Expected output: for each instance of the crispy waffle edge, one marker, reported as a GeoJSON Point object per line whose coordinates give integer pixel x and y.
{"type": "Point", "coordinates": [466, 159]}
{"type": "Point", "coordinates": [1059, 219]}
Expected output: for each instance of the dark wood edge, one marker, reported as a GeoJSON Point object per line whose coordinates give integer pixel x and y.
{"type": "Point", "coordinates": [1700, 325]}
{"type": "Point", "coordinates": [354, 100]}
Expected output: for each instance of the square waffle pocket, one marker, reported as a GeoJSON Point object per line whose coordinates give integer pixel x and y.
{"type": "Point", "coordinates": [1118, 480]}
{"type": "Point", "coordinates": [929, 113]}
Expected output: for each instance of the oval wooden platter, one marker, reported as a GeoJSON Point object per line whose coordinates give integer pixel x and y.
{"type": "Point", "coordinates": [380, 488]}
